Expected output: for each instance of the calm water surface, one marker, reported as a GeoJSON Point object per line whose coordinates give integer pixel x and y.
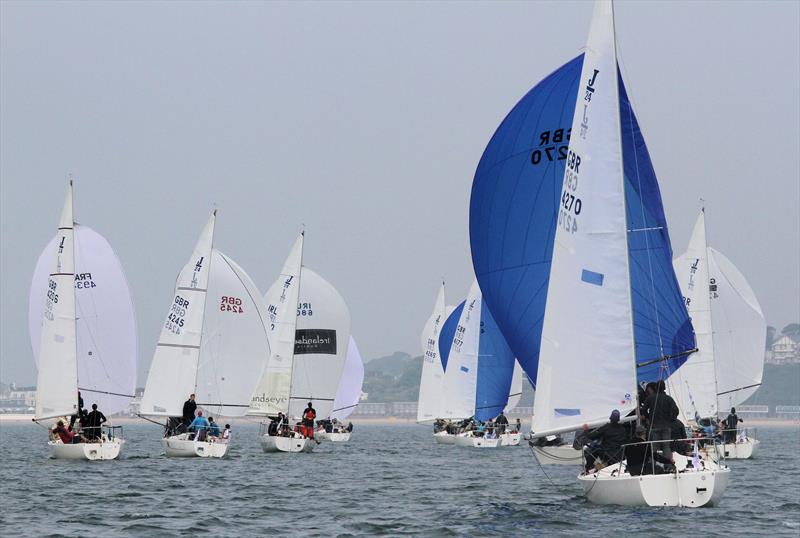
{"type": "Point", "coordinates": [389, 480]}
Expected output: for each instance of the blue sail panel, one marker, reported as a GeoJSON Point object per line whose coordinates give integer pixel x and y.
{"type": "Point", "coordinates": [447, 333]}
{"type": "Point", "coordinates": [661, 323]}
{"type": "Point", "coordinates": [495, 369]}
{"type": "Point", "coordinates": [513, 209]}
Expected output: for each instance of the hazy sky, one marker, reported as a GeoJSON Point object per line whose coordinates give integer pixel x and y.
{"type": "Point", "coordinates": [365, 121]}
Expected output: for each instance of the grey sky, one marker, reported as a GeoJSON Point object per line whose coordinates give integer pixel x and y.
{"type": "Point", "coordinates": [365, 122]}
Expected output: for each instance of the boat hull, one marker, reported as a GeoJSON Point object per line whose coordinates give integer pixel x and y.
{"type": "Point", "coordinates": [476, 442]}
{"type": "Point", "coordinates": [334, 437]}
{"type": "Point", "coordinates": [271, 443]}
{"type": "Point", "coordinates": [180, 446]}
{"type": "Point", "coordinates": [510, 439]}
{"type": "Point", "coordinates": [558, 455]}
{"type": "Point", "coordinates": [107, 450]}
{"type": "Point", "coordinates": [692, 488]}
{"type": "Point", "coordinates": [742, 450]}
{"type": "Point", "coordinates": [444, 438]}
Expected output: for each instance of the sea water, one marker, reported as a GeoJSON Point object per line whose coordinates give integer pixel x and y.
{"type": "Point", "coordinates": [388, 480]}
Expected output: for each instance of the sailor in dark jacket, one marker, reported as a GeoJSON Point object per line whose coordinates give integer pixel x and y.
{"type": "Point", "coordinates": [611, 437]}
{"type": "Point", "coordinates": [189, 408]}
{"type": "Point", "coordinates": [639, 456]}
{"type": "Point", "coordinates": [661, 410]}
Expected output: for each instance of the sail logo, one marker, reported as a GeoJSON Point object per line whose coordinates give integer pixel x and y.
{"type": "Point", "coordinates": [264, 399]}
{"type": "Point", "coordinates": [692, 271]}
{"type": "Point", "coordinates": [589, 93]}
{"type": "Point", "coordinates": [319, 341]}
{"type": "Point", "coordinates": [712, 288]}
{"type": "Point", "coordinates": [61, 245]}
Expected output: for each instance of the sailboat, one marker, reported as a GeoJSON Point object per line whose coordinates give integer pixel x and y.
{"type": "Point", "coordinates": [429, 402]}
{"type": "Point", "coordinates": [83, 334]}
{"type": "Point", "coordinates": [347, 395]}
{"type": "Point", "coordinates": [481, 366]}
{"type": "Point", "coordinates": [309, 323]}
{"type": "Point", "coordinates": [570, 246]}
{"type": "Point", "coordinates": [730, 327]}
{"type": "Point", "coordinates": [213, 344]}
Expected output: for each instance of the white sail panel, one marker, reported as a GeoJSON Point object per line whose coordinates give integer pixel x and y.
{"type": "Point", "coordinates": [273, 390]}
{"type": "Point", "coordinates": [694, 385]}
{"type": "Point", "coordinates": [739, 332]}
{"type": "Point", "coordinates": [173, 372]}
{"type": "Point", "coordinates": [57, 380]}
{"type": "Point", "coordinates": [349, 391]}
{"type": "Point", "coordinates": [107, 347]}
{"type": "Point", "coordinates": [515, 392]}
{"type": "Point", "coordinates": [320, 349]}
{"type": "Point", "coordinates": [432, 377]}
{"type": "Point", "coordinates": [588, 332]}
{"type": "Point", "coordinates": [461, 376]}
{"type": "Point", "coordinates": [234, 349]}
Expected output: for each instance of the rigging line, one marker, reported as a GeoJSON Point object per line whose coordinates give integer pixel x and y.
{"type": "Point", "coordinates": [149, 420]}
{"type": "Point", "coordinates": [540, 465]}
{"type": "Point", "coordinates": [666, 358]}
{"type": "Point", "coordinates": [107, 392]}
{"type": "Point", "coordinates": [740, 388]}
{"type": "Point", "coordinates": [343, 408]}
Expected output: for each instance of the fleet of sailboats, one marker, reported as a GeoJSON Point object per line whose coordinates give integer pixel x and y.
{"type": "Point", "coordinates": [575, 290]}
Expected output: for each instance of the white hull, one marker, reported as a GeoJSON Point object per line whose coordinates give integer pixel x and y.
{"type": "Point", "coordinates": [107, 450]}
{"type": "Point", "coordinates": [271, 443]}
{"type": "Point", "coordinates": [334, 437]}
{"type": "Point", "coordinates": [476, 442]}
{"type": "Point", "coordinates": [691, 488]}
{"type": "Point", "coordinates": [180, 446]}
{"type": "Point", "coordinates": [558, 455]}
{"type": "Point", "coordinates": [510, 439]}
{"type": "Point", "coordinates": [742, 450]}
{"type": "Point", "coordinates": [444, 438]}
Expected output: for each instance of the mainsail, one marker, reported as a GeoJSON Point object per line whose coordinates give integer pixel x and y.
{"type": "Point", "coordinates": [461, 377]}
{"type": "Point", "coordinates": [57, 380]}
{"type": "Point", "coordinates": [214, 340]}
{"type": "Point", "coordinates": [432, 376]}
{"type": "Point", "coordinates": [349, 392]}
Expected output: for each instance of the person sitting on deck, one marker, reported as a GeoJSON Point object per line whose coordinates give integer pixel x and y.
{"type": "Point", "coordinates": [67, 437]}
{"type": "Point", "coordinates": [640, 455]}
{"type": "Point", "coordinates": [679, 444]}
{"type": "Point", "coordinates": [200, 425]}
{"type": "Point", "coordinates": [611, 436]}
{"type": "Point", "coordinates": [94, 421]}
{"type": "Point", "coordinates": [226, 433]}
{"type": "Point", "coordinates": [213, 428]}
{"type": "Point", "coordinates": [349, 427]}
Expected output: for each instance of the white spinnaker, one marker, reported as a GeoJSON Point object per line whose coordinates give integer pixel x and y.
{"type": "Point", "coordinates": [515, 392]}
{"type": "Point", "coordinates": [273, 390]}
{"type": "Point", "coordinates": [173, 372]}
{"type": "Point", "coordinates": [235, 347]}
{"type": "Point", "coordinates": [107, 347]}
{"type": "Point", "coordinates": [694, 385]}
{"type": "Point", "coordinates": [57, 380]}
{"type": "Point", "coordinates": [461, 376]}
{"type": "Point", "coordinates": [323, 332]}
{"type": "Point", "coordinates": [739, 332]}
{"type": "Point", "coordinates": [432, 376]}
{"type": "Point", "coordinates": [349, 391]}
{"type": "Point", "coordinates": [587, 360]}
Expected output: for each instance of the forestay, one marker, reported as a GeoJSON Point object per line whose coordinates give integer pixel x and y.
{"type": "Point", "coordinates": [272, 393]}
{"type": "Point", "coordinates": [587, 359]}
{"type": "Point", "coordinates": [57, 379]}
{"type": "Point", "coordinates": [107, 347]}
{"type": "Point", "coordinates": [349, 392]}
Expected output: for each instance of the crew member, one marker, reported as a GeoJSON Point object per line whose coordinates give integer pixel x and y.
{"type": "Point", "coordinates": [308, 420]}
{"type": "Point", "coordinates": [94, 420]}
{"type": "Point", "coordinates": [611, 436]}
{"type": "Point", "coordinates": [661, 410]}
{"type": "Point", "coordinates": [502, 423]}
{"type": "Point", "coordinates": [189, 408]}
{"type": "Point", "coordinates": [733, 421]}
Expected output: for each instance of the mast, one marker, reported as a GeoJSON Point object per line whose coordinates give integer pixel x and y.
{"type": "Point", "coordinates": [294, 324]}
{"type": "Point", "coordinates": [205, 300]}
{"type": "Point", "coordinates": [707, 290]}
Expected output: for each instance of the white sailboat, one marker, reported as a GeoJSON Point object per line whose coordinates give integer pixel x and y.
{"type": "Point", "coordinates": [83, 334]}
{"type": "Point", "coordinates": [729, 363]}
{"type": "Point", "coordinates": [213, 344]}
{"type": "Point", "coordinates": [429, 402]}
{"type": "Point", "coordinates": [347, 395]}
{"type": "Point", "coordinates": [588, 361]}
{"type": "Point", "coordinates": [309, 332]}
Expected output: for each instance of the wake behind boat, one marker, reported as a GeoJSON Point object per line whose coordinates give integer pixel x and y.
{"type": "Point", "coordinates": [83, 336]}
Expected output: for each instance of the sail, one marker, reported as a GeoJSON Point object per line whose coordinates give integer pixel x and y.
{"type": "Point", "coordinates": [272, 393]}
{"type": "Point", "coordinates": [432, 375]}
{"type": "Point", "coordinates": [694, 385]}
{"type": "Point", "coordinates": [448, 332]}
{"type": "Point", "coordinates": [587, 358]}
{"type": "Point", "coordinates": [173, 372]}
{"type": "Point", "coordinates": [461, 376]}
{"type": "Point", "coordinates": [496, 370]}
{"type": "Point", "coordinates": [349, 392]}
{"type": "Point", "coordinates": [235, 347]}
{"type": "Point", "coordinates": [57, 380]}
{"type": "Point", "coordinates": [107, 346]}
{"type": "Point", "coordinates": [739, 332]}
{"type": "Point", "coordinates": [515, 392]}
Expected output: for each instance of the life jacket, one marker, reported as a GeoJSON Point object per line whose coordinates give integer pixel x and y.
{"type": "Point", "coordinates": [310, 414]}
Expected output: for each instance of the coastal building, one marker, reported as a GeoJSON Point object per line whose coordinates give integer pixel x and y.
{"type": "Point", "coordinates": [784, 350]}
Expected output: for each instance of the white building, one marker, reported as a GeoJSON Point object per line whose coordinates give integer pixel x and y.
{"type": "Point", "coordinates": [784, 350]}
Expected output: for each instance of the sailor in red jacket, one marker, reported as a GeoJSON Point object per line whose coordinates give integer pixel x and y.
{"type": "Point", "coordinates": [308, 420]}
{"type": "Point", "coordinates": [67, 437]}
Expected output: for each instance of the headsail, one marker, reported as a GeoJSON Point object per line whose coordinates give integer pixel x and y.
{"type": "Point", "coordinates": [588, 331]}
{"type": "Point", "coordinates": [498, 371]}
{"type": "Point", "coordinates": [515, 392]}
{"type": "Point", "coordinates": [57, 380]}
{"type": "Point", "coordinates": [461, 375]}
{"type": "Point", "coordinates": [107, 346]}
{"type": "Point", "coordinates": [349, 391]}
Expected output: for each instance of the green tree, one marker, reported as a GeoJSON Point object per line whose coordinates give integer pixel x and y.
{"type": "Point", "coordinates": [793, 329]}
{"type": "Point", "coordinates": [770, 336]}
